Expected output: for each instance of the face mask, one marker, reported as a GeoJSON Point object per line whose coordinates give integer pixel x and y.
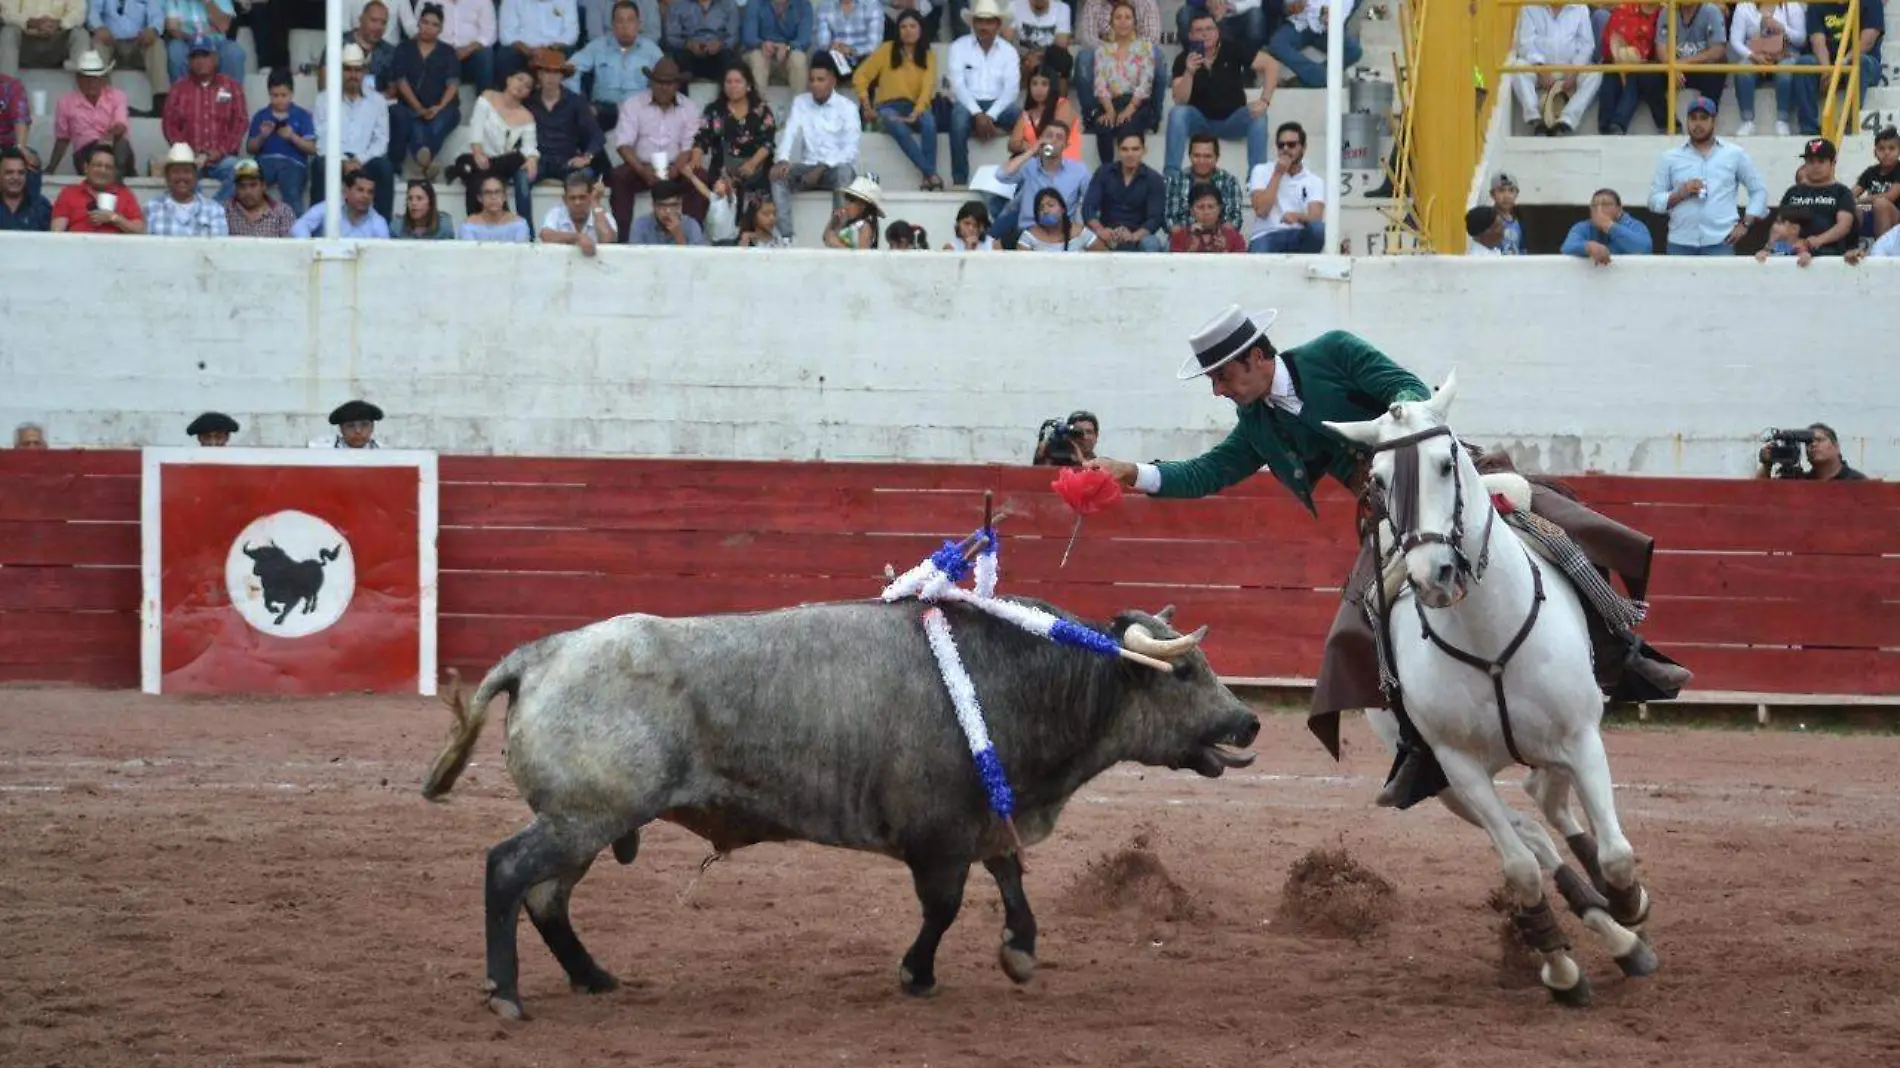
{"type": "Point", "coordinates": [1049, 219]}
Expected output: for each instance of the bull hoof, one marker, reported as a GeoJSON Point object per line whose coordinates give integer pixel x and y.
{"type": "Point", "coordinates": [598, 983]}
{"type": "Point", "coordinates": [1018, 965]}
{"type": "Point", "coordinates": [909, 984]}
{"type": "Point", "coordinates": [1577, 997]}
{"type": "Point", "coordinates": [1640, 962]}
{"type": "Point", "coordinates": [506, 1008]}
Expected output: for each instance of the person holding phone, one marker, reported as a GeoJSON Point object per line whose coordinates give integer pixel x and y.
{"type": "Point", "coordinates": [1210, 92]}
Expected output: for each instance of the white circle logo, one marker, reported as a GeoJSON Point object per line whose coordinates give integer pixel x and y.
{"type": "Point", "coordinates": [290, 574]}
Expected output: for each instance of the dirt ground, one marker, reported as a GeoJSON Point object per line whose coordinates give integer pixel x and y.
{"type": "Point", "coordinates": [211, 883]}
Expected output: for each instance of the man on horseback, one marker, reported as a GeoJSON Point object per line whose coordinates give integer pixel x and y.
{"type": "Point", "coordinates": [1284, 399]}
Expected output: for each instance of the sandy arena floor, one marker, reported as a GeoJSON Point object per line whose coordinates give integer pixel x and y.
{"type": "Point", "coordinates": [211, 883]}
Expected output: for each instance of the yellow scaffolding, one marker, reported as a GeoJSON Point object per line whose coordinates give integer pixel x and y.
{"type": "Point", "coordinates": [1450, 77]}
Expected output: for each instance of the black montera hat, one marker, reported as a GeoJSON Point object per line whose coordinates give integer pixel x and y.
{"type": "Point", "coordinates": [355, 411]}
{"type": "Point", "coordinates": [212, 423]}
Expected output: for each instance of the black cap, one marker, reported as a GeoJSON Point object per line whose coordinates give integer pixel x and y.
{"type": "Point", "coordinates": [355, 411]}
{"type": "Point", "coordinates": [1818, 148]}
{"type": "Point", "coordinates": [212, 423]}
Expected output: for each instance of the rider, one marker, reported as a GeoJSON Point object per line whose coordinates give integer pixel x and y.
{"type": "Point", "coordinates": [1284, 399]}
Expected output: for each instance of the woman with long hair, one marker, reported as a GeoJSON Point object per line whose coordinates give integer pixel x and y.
{"type": "Point", "coordinates": [420, 220]}
{"type": "Point", "coordinates": [494, 222]}
{"type": "Point", "coordinates": [1042, 102]}
{"type": "Point", "coordinates": [426, 76]}
{"type": "Point", "coordinates": [1054, 231]}
{"type": "Point", "coordinates": [502, 144]}
{"type": "Point", "coordinates": [1124, 83]}
{"type": "Point", "coordinates": [895, 84]}
{"type": "Point", "coordinates": [735, 139]}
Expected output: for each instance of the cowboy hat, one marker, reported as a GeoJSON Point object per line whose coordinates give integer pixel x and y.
{"type": "Point", "coordinates": [181, 155]}
{"type": "Point", "coordinates": [664, 71]}
{"type": "Point", "coordinates": [551, 59]}
{"type": "Point", "coordinates": [354, 56]}
{"type": "Point", "coordinates": [986, 9]}
{"type": "Point", "coordinates": [865, 189]}
{"type": "Point", "coordinates": [1225, 336]}
{"type": "Point", "coordinates": [1554, 102]}
{"type": "Point", "coordinates": [93, 65]}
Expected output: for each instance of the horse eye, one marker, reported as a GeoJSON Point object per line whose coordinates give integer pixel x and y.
{"type": "Point", "coordinates": [1445, 468]}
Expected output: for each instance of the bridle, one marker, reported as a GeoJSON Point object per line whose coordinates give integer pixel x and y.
{"type": "Point", "coordinates": [1398, 506]}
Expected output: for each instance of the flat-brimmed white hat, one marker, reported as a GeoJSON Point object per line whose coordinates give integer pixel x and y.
{"type": "Point", "coordinates": [181, 155]}
{"type": "Point", "coordinates": [1227, 335]}
{"type": "Point", "coordinates": [867, 190]}
{"type": "Point", "coordinates": [92, 64]}
{"type": "Point", "coordinates": [986, 9]}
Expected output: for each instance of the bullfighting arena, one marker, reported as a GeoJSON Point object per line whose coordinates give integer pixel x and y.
{"type": "Point", "coordinates": [221, 882]}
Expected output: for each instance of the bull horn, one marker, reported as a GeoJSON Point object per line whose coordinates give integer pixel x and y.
{"type": "Point", "coordinates": [248, 551]}
{"type": "Point", "coordinates": [1166, 614]}
{"type": "Point", "coordinates": [1140, 639]}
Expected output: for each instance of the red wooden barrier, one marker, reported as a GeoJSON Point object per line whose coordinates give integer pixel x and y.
{"type": "Point", "coordinates": [1774, 587]}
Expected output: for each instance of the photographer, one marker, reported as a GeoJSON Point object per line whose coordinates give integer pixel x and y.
{"type": "Point", "coordinates": [1067, 442]}
{"type": "Point", "coordinates": [1780, 458]}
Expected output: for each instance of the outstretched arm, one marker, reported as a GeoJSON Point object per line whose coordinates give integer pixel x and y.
{"type": "Point", "coordinates": [1233, 460]}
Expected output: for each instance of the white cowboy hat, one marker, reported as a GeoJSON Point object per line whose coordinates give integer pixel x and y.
{"type": "Point", "coordinates": [92, 64]}
{"type": "Point", "coordinates": [353, 56]}
{"type": "Point", "coordinates": [181, 155]}
{"type": "Point", "coordinates": [866, 189]}
{"type": "Point", "coordinates": [1225, 336]}
{"type": "Point", "coordinates": [986, 9]}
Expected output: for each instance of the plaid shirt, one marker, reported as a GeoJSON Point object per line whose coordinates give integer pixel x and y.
{"type": "Point", "coordinates": [210, 117]}
{"type": "Point", "coordinates": [203, 217]}
{"type": "Point", "coordinates": [862, 29]}
{"type": "Point", "coordinates": [1180, 213]}
{"type": "Point", "coordinates": [276, 220]}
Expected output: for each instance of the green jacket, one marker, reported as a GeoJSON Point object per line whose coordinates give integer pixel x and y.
{"type": "Point", "coordinates": [1340, 379]}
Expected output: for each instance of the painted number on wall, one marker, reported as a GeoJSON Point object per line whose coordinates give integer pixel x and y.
{"type": "Point", "coordinates": [1872, 119]}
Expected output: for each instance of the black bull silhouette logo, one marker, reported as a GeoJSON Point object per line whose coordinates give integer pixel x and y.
{"type": "Point", "coordinates": [288, 582]}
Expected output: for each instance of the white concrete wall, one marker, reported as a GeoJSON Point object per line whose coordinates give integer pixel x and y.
{"type": "Point", "coordinates": [1666, 367]}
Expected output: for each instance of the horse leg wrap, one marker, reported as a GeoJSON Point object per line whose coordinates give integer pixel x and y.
{"type": "Point", "coordinates": [1577, 893]}
{"type": "Point", "coordinates": [1538, 927]}
{"type": "Point", "coordinates": [1628, 905]}
{"type": "Point", "coordinates": [1583, 846]}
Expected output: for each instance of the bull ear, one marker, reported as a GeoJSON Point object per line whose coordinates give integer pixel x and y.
{"type": "Point", "coordinates": [1166, 615]}
{"type": "Point", "coordinates": [1363, 433]}
{"type": "Point", "coordinates": [1440, 404]}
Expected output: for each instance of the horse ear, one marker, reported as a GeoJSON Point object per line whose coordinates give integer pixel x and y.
{"type": "Point", "coordinates": [1441, 401]}
{"type": "Point", "coordinates": [1364, 433]}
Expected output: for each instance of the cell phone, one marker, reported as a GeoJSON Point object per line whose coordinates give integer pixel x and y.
{"type": "Point", "coordinates": [1197, 48]}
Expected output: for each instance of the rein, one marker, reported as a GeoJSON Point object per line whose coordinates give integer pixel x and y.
{"type": "Point", "coordinates": [1400, 508]}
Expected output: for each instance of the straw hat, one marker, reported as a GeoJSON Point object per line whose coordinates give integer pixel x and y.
{"type": "Point", "coordinates": [93, 65]}
{"type": "Point", "coordinates": [865, 189]}
{"type": "Point", "coordinates": [354, 56]}
{"type": "Point", "coordinates": [181, 155]}
{"type": "Point", "coordinates": [986, 9]}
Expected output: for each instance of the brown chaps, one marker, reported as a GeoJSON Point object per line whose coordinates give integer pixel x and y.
{"type": "Point", "coordinates": [1349, 667]}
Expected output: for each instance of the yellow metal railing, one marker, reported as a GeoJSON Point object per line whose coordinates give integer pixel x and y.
{"type": "Point", "coordinates": [1451, 76]}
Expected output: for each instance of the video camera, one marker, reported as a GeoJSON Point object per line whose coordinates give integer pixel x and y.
{"type": "Point", "coordinates": [1055, 444]}
{"type": "Point", "coordinates": [1783, 451]}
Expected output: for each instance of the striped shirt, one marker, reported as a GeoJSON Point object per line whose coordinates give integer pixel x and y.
{"type": "Point", "coordinates": [200, 217]}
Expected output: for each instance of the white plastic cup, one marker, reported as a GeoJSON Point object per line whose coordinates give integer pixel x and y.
{"type": "Point", "coordinates": [39, 103]}
{"type": "Point", "coordinates": [107, 201]}
{"type": "Point", "coordinates": [659, 163]}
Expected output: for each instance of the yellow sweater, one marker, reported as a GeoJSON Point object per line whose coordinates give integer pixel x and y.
{"type": "Point", "coordinates": [897, 83]}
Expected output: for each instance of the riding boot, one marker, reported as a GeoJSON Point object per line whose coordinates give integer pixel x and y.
{"type": "Point", "coordinates": [1415, 776]}
{"type": "Point", "coordinates": [1648, 675]}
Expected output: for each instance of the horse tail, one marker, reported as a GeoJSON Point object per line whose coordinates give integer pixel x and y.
{"type": "Point", "coordinates": [470, 717]}
{"type": "Point", "coordinates": [327, 555]}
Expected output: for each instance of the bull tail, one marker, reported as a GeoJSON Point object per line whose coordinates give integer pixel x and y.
{"type": "Point", "coordinates": [327, 555]}
{"type": "Point", "coordinates": [470, 717]}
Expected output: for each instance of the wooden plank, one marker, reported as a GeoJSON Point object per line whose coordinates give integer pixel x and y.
{"type": "Point", "coordinates": [105, 673]}
{"type": "Point", "coordinates": [1781, 576]}
{"type": "Point", "coordinates": [70, 589]}
{"type": "Point", "coordinates": [1733, 492]}
{"type": "Point", "coordinates": [1793, 670]}
{"type": "Point", "coordinates": [1758, 529]}
{"type": "Point", "coordinates": [1856, 625]}
{"type": "Point", "coordinates": [113, 498]}
{"type": "Point", "coordinates": [740, 474]}
{"type": "Point", "coordinates": [54, 637]}
{"type": "Point", "coordinates": [52, 541]}
{"type": "Point", "coordinates": [15, 462]}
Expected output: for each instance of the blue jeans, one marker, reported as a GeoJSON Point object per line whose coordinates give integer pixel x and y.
{"type": "Point", "coordinates": [1151, 243]}
{"type": "Point", "coordinates": [1309, 239]}
{"type": "Point", "coordinates": [409, 133]}
{"type": "Point", "coordinates": [918, 145]}
{"type": "Point", "coordinates": [478, 69]}
{"type": "Point", "coordinates": [1674, 249]}
{"type": "Point", "coordinates": [225, 171]}
{"type": "Point", "coordinates": [290, 176]}
{"type": "Point", "coordinates": [961, 122]}
{"type": "Point", "coordinates": [1186, 120]}
{"type": "Point", "coordinates": [1746, 84]}
{"type": "Point", "coordinates": [230, 58]}
{"type": "Point", "coordinates": [1289, 46]}
{"type": "Point", "coordinates": [1617, 100]}
{"type": "Point", "coordinates": [1807, 90]}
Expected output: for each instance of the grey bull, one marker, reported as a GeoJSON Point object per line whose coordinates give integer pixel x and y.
{"type": "Point", "coordinates": [824, 723]}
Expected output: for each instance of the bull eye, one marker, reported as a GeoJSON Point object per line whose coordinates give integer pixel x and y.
{"type": "Point", "coordinates": [1182, 670]}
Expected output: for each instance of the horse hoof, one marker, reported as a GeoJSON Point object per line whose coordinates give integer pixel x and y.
{"type": "Point", "coordinates": [1019, 966]}
{"type": "Point", "coordinates": [506, 1008]}
{"type": "Point", "coordinates": [909, 985]}
{"type": "Point", "coordinates": [1577, 997]}
{"type": "Point", "coordinates": [598, 983]}
{"type": "Point", "coordinates": [1640, 962]}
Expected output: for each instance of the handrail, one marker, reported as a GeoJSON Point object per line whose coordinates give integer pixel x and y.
{"type": "Point", "coordinates": [1843, 70]}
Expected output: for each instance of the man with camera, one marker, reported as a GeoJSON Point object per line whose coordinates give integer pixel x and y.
{"type": "Point", "coordinates": [1781, 457]}
{"type": "Point", "coordinates": [1067, 442]}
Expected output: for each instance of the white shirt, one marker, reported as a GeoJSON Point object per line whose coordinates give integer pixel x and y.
{"type": "Point", "coordinates": [977, 75]}
{"type": "Point", "coordinates": [1295, 193]}
{"type": "Point", "coordinates": [1281, 395]}
{"type": "Point", "coordinates": [1473, 248]}
{"type": "Point", "coordinates": [1888, 245]}
{"type": "Point", "coordinates": [365, 125]}
{"type": "Point", "coordinates": [496, 137]}
{"type": "Point", "coordinates": [541, 22]}
{"type": "Point", "coordinates": [464, 22]}
{"type": "Point", "coordinates": [1563, 36]}
{"type": "Point", "coordinates": [1312, 17]}
{"type": "Point", "coordinates": [824, 133]}
{"type": "Point", "coordinates": [1042, 28]}
{"type": "Point", "coordinates": [559, 221]}
{"type": "Point", "coordinates": [1747, 21]}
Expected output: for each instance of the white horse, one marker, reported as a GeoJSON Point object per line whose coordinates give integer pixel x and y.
{"type": "Point", "coordinates": [1492, 655]}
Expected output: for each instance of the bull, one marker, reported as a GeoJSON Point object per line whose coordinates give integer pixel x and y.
{"type": "Point", "coordinates": [286, 582]}
{"type": "Point", "coordinates": [823, 723]}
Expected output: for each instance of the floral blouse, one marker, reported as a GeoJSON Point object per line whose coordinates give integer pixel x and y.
{"type": "Point", "coordinates": [1123, 72]}
{"type": "Point", "coordinates": [727, 141]}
